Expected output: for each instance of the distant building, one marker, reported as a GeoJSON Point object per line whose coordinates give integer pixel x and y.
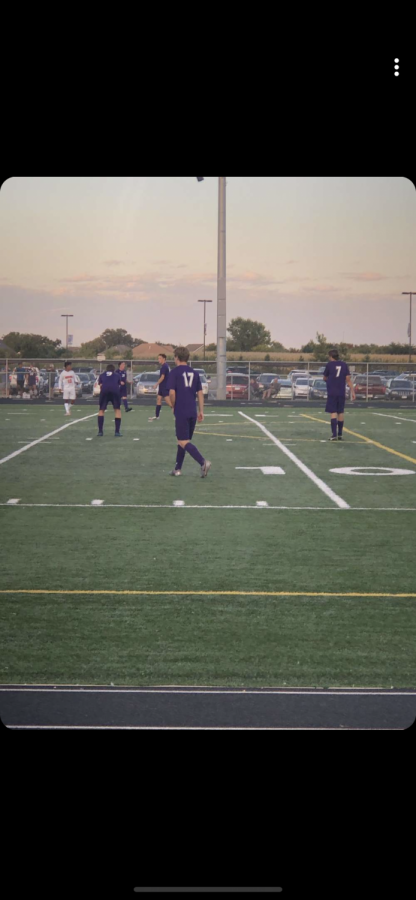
{"type": "Point", "coordinates": [195, 348]}
{"type": "Point", "coordinates": [121, 349]}
{"type": "Point", "coordinates": [150, 351]}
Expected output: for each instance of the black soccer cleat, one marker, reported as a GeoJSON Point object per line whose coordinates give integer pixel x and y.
{"type": "Point", "coordinates": [100, 434]}
{"type": "Point", "coordinates": [129, 409]}
{"type": "Point", "coordinates": [333, 439]}
{"type": "Point", "coordinates": [118, 434]}
{"type": "Point", "coordinates": [340, 438]}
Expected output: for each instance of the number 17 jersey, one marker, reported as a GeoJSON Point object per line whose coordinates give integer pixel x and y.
{"type": "Point", "coordinates": [186, 382]}
{"type": "Point", "coordinates": [336, 372]}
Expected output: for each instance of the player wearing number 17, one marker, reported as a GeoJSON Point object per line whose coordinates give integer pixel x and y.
{"type": "Point", "coordinates": [336, 375]}
{"type": "Point", "coordinates": [184, 385]}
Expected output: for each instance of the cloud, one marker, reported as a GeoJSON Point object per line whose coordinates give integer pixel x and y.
{"type": "Point", "coordinates": [322, 288]}
{"type": "Point", "coordinates": [364, 276]}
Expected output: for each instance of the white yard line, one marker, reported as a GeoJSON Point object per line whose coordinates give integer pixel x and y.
{"type": "Point", "coordinates": [195, 506]}
{"type": "Point", "coordinates": [388, 416]}
{"type": "Point", "coordinates": [44, 438]}
{"type": "Point", "coordinates": [318, 481]}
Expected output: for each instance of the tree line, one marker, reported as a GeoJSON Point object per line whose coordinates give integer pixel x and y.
{"type": "Point", "coordinates": [245, 335]}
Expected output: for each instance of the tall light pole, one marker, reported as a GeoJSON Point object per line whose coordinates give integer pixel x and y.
{"type": "Point", "coordinates": [409, 294]}
{"type": "Point", "coordinates": [67, 316]}
{"type": "Point", "coordinates": [221, 293]}
{"type": "Point", "coordinates": [205, 327]}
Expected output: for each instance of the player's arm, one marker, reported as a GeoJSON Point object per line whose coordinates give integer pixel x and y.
{"type": "Point", "coordinates": [160, 379]}
{"type": "Point", "coordinates": [172, 397]}
{"type": "Point", "coordinates": [351, 387]}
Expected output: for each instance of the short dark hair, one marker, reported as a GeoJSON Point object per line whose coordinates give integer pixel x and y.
{"type": "Point", "coordinates": [111, 368]}
{"type": "Point", "coordinates": [334, 353]}
{"type": "Point", "coordinates": [68, 363]}
{"type": "Point", "coordinates": [162, 354]}
{"type": "Point", "coordinates": [122, 363]}
{"type": "Point", "coordinates": [182, 354]}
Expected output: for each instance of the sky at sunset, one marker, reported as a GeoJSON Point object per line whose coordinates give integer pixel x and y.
{"type": "Point", "coordinates": [303, 255]}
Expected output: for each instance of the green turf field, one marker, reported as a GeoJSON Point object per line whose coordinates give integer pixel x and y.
{"type": "Point", "coordinates": [222, 591]}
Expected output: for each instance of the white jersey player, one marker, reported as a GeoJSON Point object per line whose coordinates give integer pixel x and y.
{"type": "Point", "coordinates": [67, 381]}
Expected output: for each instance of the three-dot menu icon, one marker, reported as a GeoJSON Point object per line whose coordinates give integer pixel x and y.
{"type": "Point", "coordinates": [396, 66]}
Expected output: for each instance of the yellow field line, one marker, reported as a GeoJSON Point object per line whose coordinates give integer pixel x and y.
{"type": "Point", "coordinates": [217, 593]}
{"type": "Point", "coordinates": [368, 440]}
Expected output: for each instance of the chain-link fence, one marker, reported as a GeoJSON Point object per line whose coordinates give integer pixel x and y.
{"type": "Point", "coordinates": [253, 381]}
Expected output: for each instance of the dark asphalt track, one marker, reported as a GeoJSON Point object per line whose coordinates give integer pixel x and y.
{"type": "Point", "coordinates": [60, 706]}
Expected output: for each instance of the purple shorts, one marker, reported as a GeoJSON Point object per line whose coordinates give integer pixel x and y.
{"type": "Point", "coordinates": [109, 397]}
{"type": "Point", "coordinates": [185, 428]}
{"type": "Point", "coordinates": [335, 405]}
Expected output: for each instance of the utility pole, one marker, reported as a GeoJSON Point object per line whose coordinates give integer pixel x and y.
{"type": "Point", "coordinates": [67, 316]}
{"type": "Point", "coordinates": [221, 292]}
{"type": "Point", "coordinates": [409, 294]}
{"type": "Point", "coordinates": [205, 327]}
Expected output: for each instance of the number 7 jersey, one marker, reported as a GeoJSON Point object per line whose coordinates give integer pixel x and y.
{"type": "Point", "coordinates": [336, 372]}
{"type": "Point", "coordinates": [186, 382]}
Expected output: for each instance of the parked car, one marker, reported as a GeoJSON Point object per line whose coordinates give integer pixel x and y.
{"type": "Point", "coordinates": [86, 383]}
{"type": "Point", "coordinates": [202, 372]}
{"type": "Point", "coordinates": [400, 389]}
{"type": "Point", "coordinates": [237, 387]}
{"type": "Point", "coordinates": [147, 383]}
{"type": "Point", "coordinates": [318, 389]}
{"type": "Point", "coordinates": [286, 389]}
{"type": "Point", "coordinates": [238, 370]}
{"type": "Point", "coordinates": [204, 382]}
{"type": "Point", "coordinates": [265, 379]}
{"type": "Point", "coordinates": [376, 386]}
{"type": "Point", "coordinates": [301, 387]}
{"type": "Point", "coordinates": [297, 373]}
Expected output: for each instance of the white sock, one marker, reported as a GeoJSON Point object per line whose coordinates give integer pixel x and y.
{"type": "Point", "coordinates": [66, 407]}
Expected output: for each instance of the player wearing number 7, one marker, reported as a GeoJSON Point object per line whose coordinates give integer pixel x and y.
{"type": "Point", "coordinates": [184, 385]}
{"type": "Point", "coordinates": [336, 375]}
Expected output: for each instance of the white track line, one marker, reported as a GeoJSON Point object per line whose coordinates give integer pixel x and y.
{"type": "Point", "coordinates": [206, 506]}
{"type": "Point", "coordinates": [352, 692]}
{"type": "Point", "coordinates": [190, 728]}
{"type": "Point", "coordinates": [387, 416]}
{"type": "Point", "coordinates": [318, 481]}
{"type": "Point", "coordinates": [44, 438]}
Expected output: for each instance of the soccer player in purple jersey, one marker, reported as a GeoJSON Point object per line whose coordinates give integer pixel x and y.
{"type": "Point", "coordinates": [110, 393]}
{"type": "Point", "coordinates": [162, 384]}
{"type": "Point", "coordinates": [336, 375]}
{"type": "Point", "coordinates": [184, 385]}
{"type": "Point", "coordinates": [123, 385]}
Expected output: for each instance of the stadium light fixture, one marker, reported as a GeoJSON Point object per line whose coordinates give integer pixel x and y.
{"type": "Point", "coordinates": [221, 292]}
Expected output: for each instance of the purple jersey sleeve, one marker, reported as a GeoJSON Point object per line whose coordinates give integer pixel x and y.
{"type": "Point", "coordinates": [326, 373]}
